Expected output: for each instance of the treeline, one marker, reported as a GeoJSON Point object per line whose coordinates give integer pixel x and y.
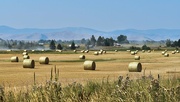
{"type": "Point", "coordinates": [102, 41]}
{"type": "Point", "coordinates": [170, 43]}
{"type": "Point", "coordinates": [59, 44]}
{"type": "Point", "coordinates": [19, 44]}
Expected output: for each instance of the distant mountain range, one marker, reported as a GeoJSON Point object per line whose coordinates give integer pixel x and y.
{"type": "Point", "coordinates": [77, 33]}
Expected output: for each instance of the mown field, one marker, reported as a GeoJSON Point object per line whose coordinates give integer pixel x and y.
{"type": "Point", "coordinates": [110, 65]}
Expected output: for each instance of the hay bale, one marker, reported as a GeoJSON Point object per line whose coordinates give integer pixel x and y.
{"type": "Point", "coordinates": [8, 50]}
{"type": "Point", "coordinates": [89, 65]}
{"type": "Point", "coordinates": [32, 50]}
{"type": "Point", "coordinates": [44, 60]}
{"type": "Point", "coordinates": [82, 57]}
{"type": "Point", "coordinates": [60, 51]}
{"type": "Point", "coordinates": [143, 51]}
{"type": "Point", "coordinates": [163, 52]}
{"type": "Point", "coordinates": [116, 50]}
{"type": "Point", "coordinates": [135, 67]}
{"type": "Point", "coordinates": [173, 52]}
{"type": "Point", "coordinates": [26, 57]}
{"type": "Point", "coordinates": [96, 53]}
{"type": "Point", "coordinates": [74, 51]}
{"type": "Point", "coordinates": [149, 51]}
{"type": "Point", "coordinates": [28, 63]}
{"type": "Point", "coordinates": [166, 55]}
{"type": "Point", "coordinates": [14, 59]}
{"type": "Point", "coordinates": [24, 53]}
{"type": "Point", "coordinates": [100, 52]}
{"type": "Point", "coordinates": [25, 50]}
{"type": "Point", "coordinates": [177, 51]}
{"type": "Point", "coordinates": [87, 51]}
{"type": "Point", "coordinates": [133, 53]}
{"type": "Point", "coordinates": [128, 50]}
{"type": "Point", "coordinates": [104, 52]}
{"type": "Point", "coordinates": [82, 51]}
{"type": "Point", "coordinates": [137, 57]}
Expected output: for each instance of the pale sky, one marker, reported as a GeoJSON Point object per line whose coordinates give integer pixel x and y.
{"type": "Point", "coordinates": [104, 15]}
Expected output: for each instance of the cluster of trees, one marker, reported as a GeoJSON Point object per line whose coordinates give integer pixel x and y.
{"type": "Point", "coordinates": [101, 41]}
{"type": "Point", "coordinates": [170, 43]}
{"type": "Point", "coordinates": [19, 44]}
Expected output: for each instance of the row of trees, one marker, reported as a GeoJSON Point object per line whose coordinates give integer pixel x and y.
{"type": "Point", "coordinates": [170, 43]}
{"type": "Point", "coordinates": [101, 41]}
{"type": "Point", "coordinates": [19, 44]}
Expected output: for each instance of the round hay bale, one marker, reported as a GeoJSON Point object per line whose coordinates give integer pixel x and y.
{"type": "Point", "coordinates": [100, 52]}
{"type": "Point", "coordinates": [42, 50]}
{"type": "Point", "coordinates": [166, 55]}
{"type": "Point", "coordinates": [25, 50]}
{"type": "Point", "coordinates": [8, 50]}
{"type": "Point", "coordinates": [128, 50]}
{"type": "Point", "coordinates": [149, 51]}
{"type": "Point", "coordinates": [82, 57]}
{"type": "Point", "coordinates": [96, 53]}
{"type": "Point", "coordinates": [28, 63]}
{"type": "Point", "coordinates": [137, 57]}
{"type": "Point", "coordinates": [163, 52]}
{"type": "Point", "coordinates": [87, 51]}
{"type": "Point", "coordinates": [44, 60]}
{"type": "Point", "coordinates": [135, 67]}
{"type": "Point", "coordinates": [89, 65]}
{"type": "Point", "coordinates": [177, 51]}
{"type": "Point", "coordinates": [173, 52]}
{"type": "Point", "coordinates": [24, 53]}
{"type": "Point", "coordinates": [75, 51]}
{"type": "Point", "coordinates": [104, 52]}
{"type": "Point", "coordinates": [14, 59]}
{"type": "Point", "coordinates": [60, 51]}
{"type": "Point", "coordinates": [26, 57]}
{"type": "Point", "coordinates": [143, 51]}
{"type": "Point", "coordinates": [82, 51]}
{"type": "Point", "coordinates": [133, 53]}
{"type": "Point", "coordinates": [116, 50]}
{"type": "Point", "coordinates": [32, 50]}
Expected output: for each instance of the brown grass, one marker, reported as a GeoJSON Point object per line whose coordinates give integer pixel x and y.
{"type": "Point", "coordinates": [109, 65]}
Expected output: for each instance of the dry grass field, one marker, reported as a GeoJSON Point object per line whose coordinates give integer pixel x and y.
{"type": "Point", "coordinates": [109, 65]}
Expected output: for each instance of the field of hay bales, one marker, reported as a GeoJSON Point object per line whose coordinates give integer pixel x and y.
{"type": "Point", "coordinates": [109, 65]}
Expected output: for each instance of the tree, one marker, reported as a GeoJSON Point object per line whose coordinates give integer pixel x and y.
{"type": "Point", "coordinates": [93, 40]}
{"type": "Point", "coordinates": [122, 39]}
{"type": "Point", "coordinates": [168, 42]}
{"type": "Point", "coordinates": [144, 47]}
{"type": "Point", "coordinates": [100, 41]}
{"type": "Point", "coordinates": [83, 41]}
{"type": "Point", "coordinates": [52, 45]}
{"type": "Point", "coordinates": [59, 47]}
{"type": "Point", "coordinates": [73, 46]}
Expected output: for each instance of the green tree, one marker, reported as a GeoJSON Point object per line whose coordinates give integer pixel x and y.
{"type": "Point", "coordinates": [83, 41]}
{"type": "Point", "coordinates": [122, 39]}
{"type": "Point", "coordinates": [73, 45]}
{"type": "Point", "coordinates": [168, 42]}
{"type": "Point", "coordinates": [59, 47]}
{"type": "Point", "coordinates": [144, 47]}
{"type": "Point", "coordinates": [52, 45]}
{"type": "Point", "coordinates": [100, 41]}
{"type": "Point", "coordinates": [93, 40]}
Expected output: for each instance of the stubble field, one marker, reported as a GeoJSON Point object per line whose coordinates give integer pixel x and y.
{"type": "Point", "coordinates": [109, 65]}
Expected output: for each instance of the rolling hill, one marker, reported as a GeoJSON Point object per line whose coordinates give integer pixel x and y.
{"type": "Point", "coordinates": [77, 33]}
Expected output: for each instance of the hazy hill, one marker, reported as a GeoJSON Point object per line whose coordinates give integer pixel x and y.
{"type": "Point", "coordinates": [76, 33]}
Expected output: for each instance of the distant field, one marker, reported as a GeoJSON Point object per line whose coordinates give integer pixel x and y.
{"type": "Point", "coordinates": [109, 65]}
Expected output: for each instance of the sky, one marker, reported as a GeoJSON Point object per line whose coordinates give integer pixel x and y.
{"type": "Point", "coordinates": [103, 15]}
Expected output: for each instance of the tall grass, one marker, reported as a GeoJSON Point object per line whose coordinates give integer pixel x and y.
{"type": "Point", "coordinates": [145, 89]}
